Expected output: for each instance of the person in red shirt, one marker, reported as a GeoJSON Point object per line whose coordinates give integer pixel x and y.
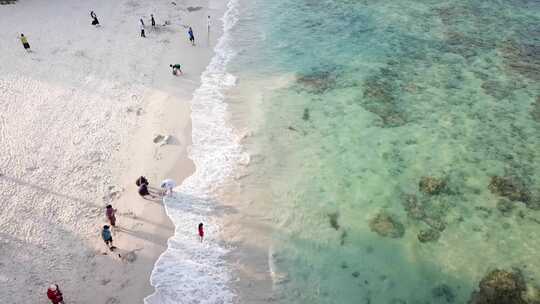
{"type": "Point", "coordinates": [201, 231]}
{"type": "Point", "coordinates": [55, 295]}
{"type": "Point", "coordinates": [111, 215]}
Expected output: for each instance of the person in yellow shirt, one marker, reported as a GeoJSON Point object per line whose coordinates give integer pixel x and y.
{"type": "Point", "coordinates": [25, 43]}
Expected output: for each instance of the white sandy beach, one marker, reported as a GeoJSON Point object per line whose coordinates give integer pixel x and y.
{"type": "Point", "coordinates": [77, 122]}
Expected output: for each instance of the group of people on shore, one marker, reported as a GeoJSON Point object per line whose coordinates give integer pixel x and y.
{"type": "Point", "coordinates": [176, 68]}
{"type": "Point", "coordinates": [53, 292]}
{"type": "Point", "coordinates": [144, 189]}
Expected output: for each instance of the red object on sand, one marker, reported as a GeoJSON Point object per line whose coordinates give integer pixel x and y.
{"type": "Point", "coordinates": [55, 295]}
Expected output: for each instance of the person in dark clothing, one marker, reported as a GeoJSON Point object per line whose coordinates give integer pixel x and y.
{"type": "Point", "coordinates": [143, 35]}
{"type": "Point", "coordinates": [110, 212]}
{"type": "Point", "coordinates": [176, 68]}
{"type": "Point", "coordinates": [143, 190]}
{"type": "Point", "coordinates": [55, 295]}
{"type": "Point", "coordinates": [152, 20]}
{"type": "Point", "coordinates": [94, 18]}
{"type": "Point", "coordinates": [191, 36]}
{"type": "Point", "coordinates": [141, 180]}
{"type": "Point", "coordinates": [201, 231]}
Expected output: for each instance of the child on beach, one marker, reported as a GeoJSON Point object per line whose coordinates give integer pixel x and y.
{"type": "Point", "coordinates": [107, 237]}
{"type": "Point", "coordinates": [55, 295]}
{"type": "Point", "coordinates": [94, 18]}
{"type": "Point", "coordinates": [110, 213]}
{"type": "Point", "coordinates": [152, 20]}
{"type": "Point", "coordinates": [191, 36]}
{"type": "Point", "coordinates": [201, 231]}
{"type": "Point", "coordinates": [175, 69]}
{"type": "Point", "coordinates": [25, 43]}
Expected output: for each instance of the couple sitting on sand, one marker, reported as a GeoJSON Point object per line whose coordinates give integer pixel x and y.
{"type": "Point", "coordinates": [167, 186]}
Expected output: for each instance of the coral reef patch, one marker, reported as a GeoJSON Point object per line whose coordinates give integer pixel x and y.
{"type": "Point", "coordinates": [387, 225]}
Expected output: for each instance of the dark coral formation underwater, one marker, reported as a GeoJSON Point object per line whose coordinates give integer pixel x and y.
{"type": "Point", "coordinates": [381, 96]}
{"type": "Point", "coordinates": [501, 287]}
{"type": "Point", "coordinates": [387, 225]}
{"type": "Point", "coordinates": [515, 190]}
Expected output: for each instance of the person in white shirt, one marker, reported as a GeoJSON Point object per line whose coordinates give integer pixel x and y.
{"type": "Point", "coordinates": [168, 186]}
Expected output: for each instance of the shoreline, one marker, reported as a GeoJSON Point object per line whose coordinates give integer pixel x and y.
{"type": "Point", "coordinates": [169, 114]}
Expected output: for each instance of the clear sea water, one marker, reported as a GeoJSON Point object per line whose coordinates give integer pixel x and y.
{"type": "Point", "coordinates": [349, 104]}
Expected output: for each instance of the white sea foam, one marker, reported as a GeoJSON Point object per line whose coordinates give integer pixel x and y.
{"type": "Point", "coordinates": [190, 271]}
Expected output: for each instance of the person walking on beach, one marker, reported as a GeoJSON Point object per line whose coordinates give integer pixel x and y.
{"type": "Point", "coordinates": [142, 29]}
{"type": "Point", "coordinates": [110, 212]}
{"type": "Point", "coordinates": [176, 69]}
{"type": "Point", "coordinates": [191, 36]}
{"type": "Point", "coordinates": [208, 24]}
{"type": "Point", "coordinates": [107, 237]}
{"type": "Point", "coordinates": [25, 43]}
{"type": "Point", "coordinates": [55, 295]}
{"type": "Point", "coordinates": [201, 231]}
{"type": "Point", "coordinates": [152, 20]}
{"type": "Point", "coordinates": [95, 21]}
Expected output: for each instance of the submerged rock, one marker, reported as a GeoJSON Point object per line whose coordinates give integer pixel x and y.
{"type": "Point", "coordinates": [435, 222]}
{"type": "Point", "coordinates": [317, 81]}
{"type": "Point", "coordinates": [421, 210]}
{"type": "Point", "coordinates": [500, 287]}
{"type": "Point", "coordinates": [381, 97]}
{"type": "Point", "coordinates": [510, 187]}
{"type": "Point", "coordinates": [497, 89]}
{"type": "Point", "coordinates": [522, 58]}
{"type": "Point", "coordinates": [428, 235]}
{"type": "Point", "coordinates": [432, 185]}
{"type": "Point", "coordinates": [466, 45]}
{"type": "Point", "coordinates": [333, 218]}
{"type": "Point", "coordinates": [443, 292]}
{"type": "Point", "coordinates": [387, 225]}
{"type": "Point", "coordinates": [413, 207]}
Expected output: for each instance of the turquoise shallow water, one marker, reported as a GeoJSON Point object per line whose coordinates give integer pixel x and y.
{"type": "Point", "coordinates": [396, 144]}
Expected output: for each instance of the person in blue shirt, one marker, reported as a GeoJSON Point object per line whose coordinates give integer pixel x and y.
{"type": "Point", "coordinates": [107, 237]}
{"type": "Point", "coordinates": [191, 36]}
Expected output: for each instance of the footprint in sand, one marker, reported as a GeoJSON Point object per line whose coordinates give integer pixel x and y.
{"type": "Point", "coordinates": [112, 300]}
{"type": "Point", "coordinates": [136, 225]}
{"type": "Point", "coordinates": [129, 257]}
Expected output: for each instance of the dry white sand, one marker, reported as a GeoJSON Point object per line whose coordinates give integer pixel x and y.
{"type": "Point", "coordinates": [79, 114]}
